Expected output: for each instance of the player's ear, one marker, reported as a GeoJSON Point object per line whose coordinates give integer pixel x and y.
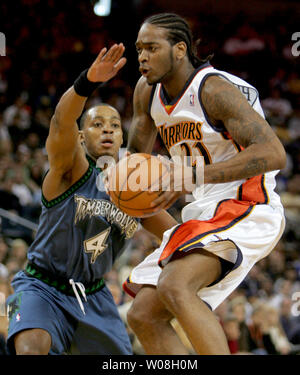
{"type": "Point", "coordinates": [180, 50]}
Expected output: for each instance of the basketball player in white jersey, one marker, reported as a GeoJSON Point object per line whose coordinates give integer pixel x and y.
{"type": "Point", "coordinates": [199, 110]}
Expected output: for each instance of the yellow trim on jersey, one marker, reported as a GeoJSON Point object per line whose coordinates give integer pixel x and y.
{"type": "Point", "coordinates": [200, 239]}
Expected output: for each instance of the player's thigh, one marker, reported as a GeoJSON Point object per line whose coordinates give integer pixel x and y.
{"type": "Point", "coordinates": [38, 309]}
{"type": "Point", "coordinates": [194, 270]}
{"type": "Point", "coordinates": [32, 341]}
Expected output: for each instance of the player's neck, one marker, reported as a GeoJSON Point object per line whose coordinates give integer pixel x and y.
{"type": "Point", "coordinates": [175, 83]}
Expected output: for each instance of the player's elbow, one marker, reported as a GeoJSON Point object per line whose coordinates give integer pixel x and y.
{"type": "Point", "coordinates": [55, 119]}
{"type": "Point", "coordinates": [282, 160]}
{"type": "Point", "coordinates": [279, 156]}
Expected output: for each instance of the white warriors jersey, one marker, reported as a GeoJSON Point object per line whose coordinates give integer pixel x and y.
{"type": "Point", "coordinates": [186, 131]}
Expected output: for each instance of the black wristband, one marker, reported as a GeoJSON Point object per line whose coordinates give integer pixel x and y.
{"type": "Point", "coordinates": [84, 87]}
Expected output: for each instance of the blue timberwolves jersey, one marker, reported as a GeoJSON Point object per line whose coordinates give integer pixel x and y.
{"type": "Point", "coordinates": [81, 232]}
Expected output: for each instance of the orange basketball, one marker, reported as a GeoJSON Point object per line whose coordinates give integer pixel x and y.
{"type": "Point", "coordinates": [131, 180]}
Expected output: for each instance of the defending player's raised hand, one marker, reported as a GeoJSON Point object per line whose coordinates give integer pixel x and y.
{"type": "Point", "coordinates": [107, 64]}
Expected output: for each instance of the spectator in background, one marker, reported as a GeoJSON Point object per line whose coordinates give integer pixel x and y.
{"type": "Point", "coordinates": [22, 155]}
{"type": "Point", "coordinates": [8, 200]}
{"type": "Point", "coordinates": [276, 263]}
{"type": "Point", "coordinates": [274, 329]}
{"type": "Point", "coordinates": [294, 123]}
{"type": "Point", "coordinates": [134, 257]}
{"type": "Point", "coordinates": [238, 310]}
{"type": "Point", "coordinates": [267, 332]}
{"type": "Point", "coordinates": [262, 342]}
{"type": "Point", "coordinates": [3, 257]}
{"type": "Point", "coordinates": [17, 117]}
{"type": "Point", "coordinates": [288, 322]}
{"type": "Point", "coordinates": [277, 109]}
{"type": "Point", "coordinates": [222, 310]}
{"type": "Point", "coordinates": [291, 198]}
{"type": "Point", "coordinates": [283, 290]}
{"type": "Point", "coordinates": [42, 117]}
{"type": "Point", "coordinates": [5, 291]}
{"type": "Point", "coordinates": [245, 41]}
{"type": "Point", "coordinates": [26, 190]}
{"type": "Point", "coordinates": [6, 145]}
{"type": "Point", "coordinates": [33, 141]}
{"type": "Point", "coordinates": [116, 291]}
{"type": "Point", "coordinates": [232, 332]}
{"type": "Point", "coordinates": [19, 251]}
{"type": "Point", "coordinates": [3, 250]}
{"type": "Point", "coordinates": [19, 188]}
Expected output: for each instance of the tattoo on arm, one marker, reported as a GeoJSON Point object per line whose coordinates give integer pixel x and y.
{"type": "Point", "coordinates": [225, 103]}
{"type": "Point", "coordinates": [237, 168]}
{"type": "Point", "coordinates": [255, 167]}
{"type": "Point", "coordinates": [262, 152]}
{"type": "Point", "coordinates": [218, 177]}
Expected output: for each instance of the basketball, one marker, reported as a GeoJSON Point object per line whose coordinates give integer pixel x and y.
{"type": "Point", "coordinates": [135, 182]}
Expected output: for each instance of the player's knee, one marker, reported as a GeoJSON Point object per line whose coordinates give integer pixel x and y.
{"type": "Point", "coordinates": [146, 312]}
{"type": "Point", "coordinates": [171, 292]}
{"type": "Point", "coordinates": [32, 342]}
{"type": "Point", "coordinates": [29, 349]}
{"type": "Point", "coordinates": [138, 316]}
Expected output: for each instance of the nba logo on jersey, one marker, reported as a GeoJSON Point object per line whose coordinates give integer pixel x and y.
{"type": "Point", "coordinates": [192, 100]}
{"type": "Point", "coordinates": [18, 317]}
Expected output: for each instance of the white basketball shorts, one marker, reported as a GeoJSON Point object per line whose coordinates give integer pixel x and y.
{"type": "Point", "coordinates": [239, 232]}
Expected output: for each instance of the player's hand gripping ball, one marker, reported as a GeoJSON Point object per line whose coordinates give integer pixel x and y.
{"type": "Point", "coordinates": [135, 182]}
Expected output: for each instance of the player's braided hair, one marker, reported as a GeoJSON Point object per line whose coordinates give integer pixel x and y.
{"type": "Point", "coordinates": [178, 31]}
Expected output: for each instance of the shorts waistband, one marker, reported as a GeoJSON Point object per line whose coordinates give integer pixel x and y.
{"type": "Point", "coordinates": [62, 285]}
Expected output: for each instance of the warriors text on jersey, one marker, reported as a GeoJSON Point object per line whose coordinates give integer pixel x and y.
{"type": "Point", "coordinates": [186, 131]}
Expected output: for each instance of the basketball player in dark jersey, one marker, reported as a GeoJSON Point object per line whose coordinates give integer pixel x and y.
{"type": "Point", "coordinates": [60, 302]}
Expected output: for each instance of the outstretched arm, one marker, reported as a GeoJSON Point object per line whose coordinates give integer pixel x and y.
{"type": "Point", "coordinates": [63, 134]}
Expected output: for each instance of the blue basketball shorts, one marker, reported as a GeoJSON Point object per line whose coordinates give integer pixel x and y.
{"type": "Point", "coordinates": [35, 304]}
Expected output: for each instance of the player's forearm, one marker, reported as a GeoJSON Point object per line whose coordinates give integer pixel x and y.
{"type": "Point", "coordinates": [69, 109]}
{"type": "Point", "coordinates": [253, 161]}
{"type": "Point", "coordinates": [159, 223]}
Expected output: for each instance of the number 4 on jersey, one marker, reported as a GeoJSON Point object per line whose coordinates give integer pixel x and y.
{"type": "Point", "coordinates": [97, 244]}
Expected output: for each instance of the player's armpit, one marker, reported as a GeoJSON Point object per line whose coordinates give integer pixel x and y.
{"type": "Point", "coordinates": [159, 223]}
{"type": "Point", "coordinates": [142, 132]}
{"type": "Point", "coordinates": [263, 151]}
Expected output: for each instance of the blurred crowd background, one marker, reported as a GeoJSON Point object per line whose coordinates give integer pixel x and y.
{"type": "Point", "coordinates": [49, 43]}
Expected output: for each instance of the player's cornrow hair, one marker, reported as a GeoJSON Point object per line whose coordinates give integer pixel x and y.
{"type": "Point", "coordinates": [178, 31]}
